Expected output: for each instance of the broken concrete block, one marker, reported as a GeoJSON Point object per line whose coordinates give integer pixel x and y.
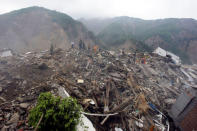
{"type": "Point", "coordinates": [80, 81]}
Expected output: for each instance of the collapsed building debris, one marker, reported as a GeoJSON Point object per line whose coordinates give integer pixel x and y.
{"type": "Point", "coordinates": [130, 91]}
{"type": "Point", "coordinates": [165, 53]}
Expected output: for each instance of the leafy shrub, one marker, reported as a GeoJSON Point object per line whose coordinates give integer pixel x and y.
{"type": "Point", "coordinates": [58, 114]}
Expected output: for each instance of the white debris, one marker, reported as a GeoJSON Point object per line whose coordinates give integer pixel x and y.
{"type": "Point", "coordinates": [118, 129]}
{"type": "Point", "coordinates": [89, 101]}
{"type": "Point", "coordinates": [164, 53]}
{"type": "Point", "coordinates": [85, 124]}
{"type": "Point", "coordinates": [27, 53]}
{"type": "Point", "coordinates": [186, 74]}
{"type": "Point", "coordinates": [6, 53]}
{"type": "Point", "coordinates": [80, 81]}
{"type": "Point", "coordinates": [139, 123]}
{"type": "Point", "coordinates": [112, 52]}
{"type": "Point", "coordinates": [170, 101]}
{"type": "Point", "coordinates": [62, 92]}
{"type": "Point", "coordinates": [175, 58]}
{"type": "Point", "coordinates": [160, 51]}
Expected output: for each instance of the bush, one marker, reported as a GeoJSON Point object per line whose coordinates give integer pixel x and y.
{"type": "Point", "coordinates": [58, 114]}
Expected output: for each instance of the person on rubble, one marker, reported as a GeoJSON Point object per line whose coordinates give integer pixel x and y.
{"type": "Point", "coordinates": [72, 44]}
{"type": "Point", "coordinates": [84, 46]}
{"type": "Point", "coordinates": [88, 47]}
{"type": "Point", "coordinates": [123, 51]}
{"type": "Point", "coordinates": [134, 60]}
{"type": "Point", "coordinates": [95, 48]}
{"type": "Point", "coordinates": [80, 44]}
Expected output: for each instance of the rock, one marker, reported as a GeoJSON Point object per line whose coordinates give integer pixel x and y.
{"type": "Point", "coordinates": [33, 92]}
{"type": "Point", "coordinates": [1, 118]}
{"type": "Point", "coordinates": [17, 77]}
{"type": "Point", "coordinates": [8, 116]}
{"type": "Point", "coordinates": [43, 66]}
{"type": "Point", "coordinates": [20, 123]}
{"type": "Point", "coordinates": [118, 129]}
{"type": "Point", "coordinates": [3, 62]}
{"type": "Point", "coordinates": [52, 92]}
{"type": "Point", "coordinates": [24, 83]}
{"type": "Point", "coordinates": [21, 111]}
{"type": "Point", "coordinates": [115, 75]}
{"type": "Point", "coordinates": [14, 119]}
{"type": "Point", "coordinates": [25, 99]}
{"type": "Point", "coordinates": [87, 124]}
{"type": "Point", "coordinates": [20, 99]}
{"type": "Point", "coordinates": [1, 89]}
{"type": "Point", "coordinates": [54, 85]}
{"type": "Point", "coordinates": [24, 105]}
{"type": "Point", "coordinates": [3, 99]}
{"type": "Point", "coordinates": [80, 81]}
{"type": "Point", "coordinates": [5, 128]}
{"type": "Point", "coordinates": [62, 92]}
{"type": "Point", "coordinates": [170, 101]}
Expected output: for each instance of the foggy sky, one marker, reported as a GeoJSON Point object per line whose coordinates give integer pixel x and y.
{"type": "Point", "coordinates": [145, 9]}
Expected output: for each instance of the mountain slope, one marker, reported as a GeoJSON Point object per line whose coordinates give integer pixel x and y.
{"type": "Point", "coordinates": [36, 28]}
{"type": "Point", "coordinates": [176, 35]}
{"type": "Point", "coordinates": [95, 24]}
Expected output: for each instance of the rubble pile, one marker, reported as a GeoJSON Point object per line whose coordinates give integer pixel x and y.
{"type": "Point", "coordinates": [117, 90]}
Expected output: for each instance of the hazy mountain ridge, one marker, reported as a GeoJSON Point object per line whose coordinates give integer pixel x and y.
{"type": "Point", "coordinates": [36, 28]}
{"type": "Point", "coordinates": [176, 35]}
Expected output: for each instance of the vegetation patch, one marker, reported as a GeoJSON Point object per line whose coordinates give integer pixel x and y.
{"type": "Point", "coordinates": [54, 113]}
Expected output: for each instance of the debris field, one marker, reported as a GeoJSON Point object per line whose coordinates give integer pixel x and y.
{"type": "Point", "coordinates": [117, 90]}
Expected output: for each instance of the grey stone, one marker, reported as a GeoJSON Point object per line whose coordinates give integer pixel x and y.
{"type": "Point", "coordinates": [8, 116]}
{"type": "Point", "coordinates": [62, 92]}
{"type": "Point", "coordinates": [1, 118]}
{"type": "Point", "coordinates": [21, 111]}
{"type": "Point", "coordinates": [24, 99]}
{"type": "Point", "coordinates": [5, 128]}
{"type": "Point", "coordinates": [14, 119]}
{"type": "Point", "coordinates": [3, 99]}
{"type": "Point", "coordinates": [115, 75]}
{"type": "Point", "coordinates": [24, 105]}
{"type": "Point", "coordinates": [1, 89]}
{"type": "Point", "coordinates": [43, 66]}
{"type": "Point", "coordinates": [170, 101]}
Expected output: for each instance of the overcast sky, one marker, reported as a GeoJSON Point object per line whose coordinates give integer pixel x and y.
{"type": "Point", "coordinates": [145, 9]}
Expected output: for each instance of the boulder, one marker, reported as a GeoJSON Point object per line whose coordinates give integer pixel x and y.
{"type": "Point", "coordinates": [24, 105]}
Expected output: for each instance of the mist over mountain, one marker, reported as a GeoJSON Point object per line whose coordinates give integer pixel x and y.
{"type": "Point", "coordinates": [176, 35]}
{"type": "Point", "coordinates": [36, 28]}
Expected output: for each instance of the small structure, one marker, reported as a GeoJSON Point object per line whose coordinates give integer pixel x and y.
{"type": "Point", "coordinates": [184, 110]}
{"type": "Point", "coordinates": [165, 53]}
{"type": "Point", "coordinates": [5, 53]}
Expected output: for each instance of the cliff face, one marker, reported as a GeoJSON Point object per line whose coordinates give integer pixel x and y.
{"type": "Point", "coordinates": [36, 28]}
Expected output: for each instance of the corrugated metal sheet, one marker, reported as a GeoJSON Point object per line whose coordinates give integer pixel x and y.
{"type": "Point", "coordinates": [189, 123]}
{"type": "Point", "coordinates": [181, 103]}
{"type": "Point", "coordinates": [184, 111]}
